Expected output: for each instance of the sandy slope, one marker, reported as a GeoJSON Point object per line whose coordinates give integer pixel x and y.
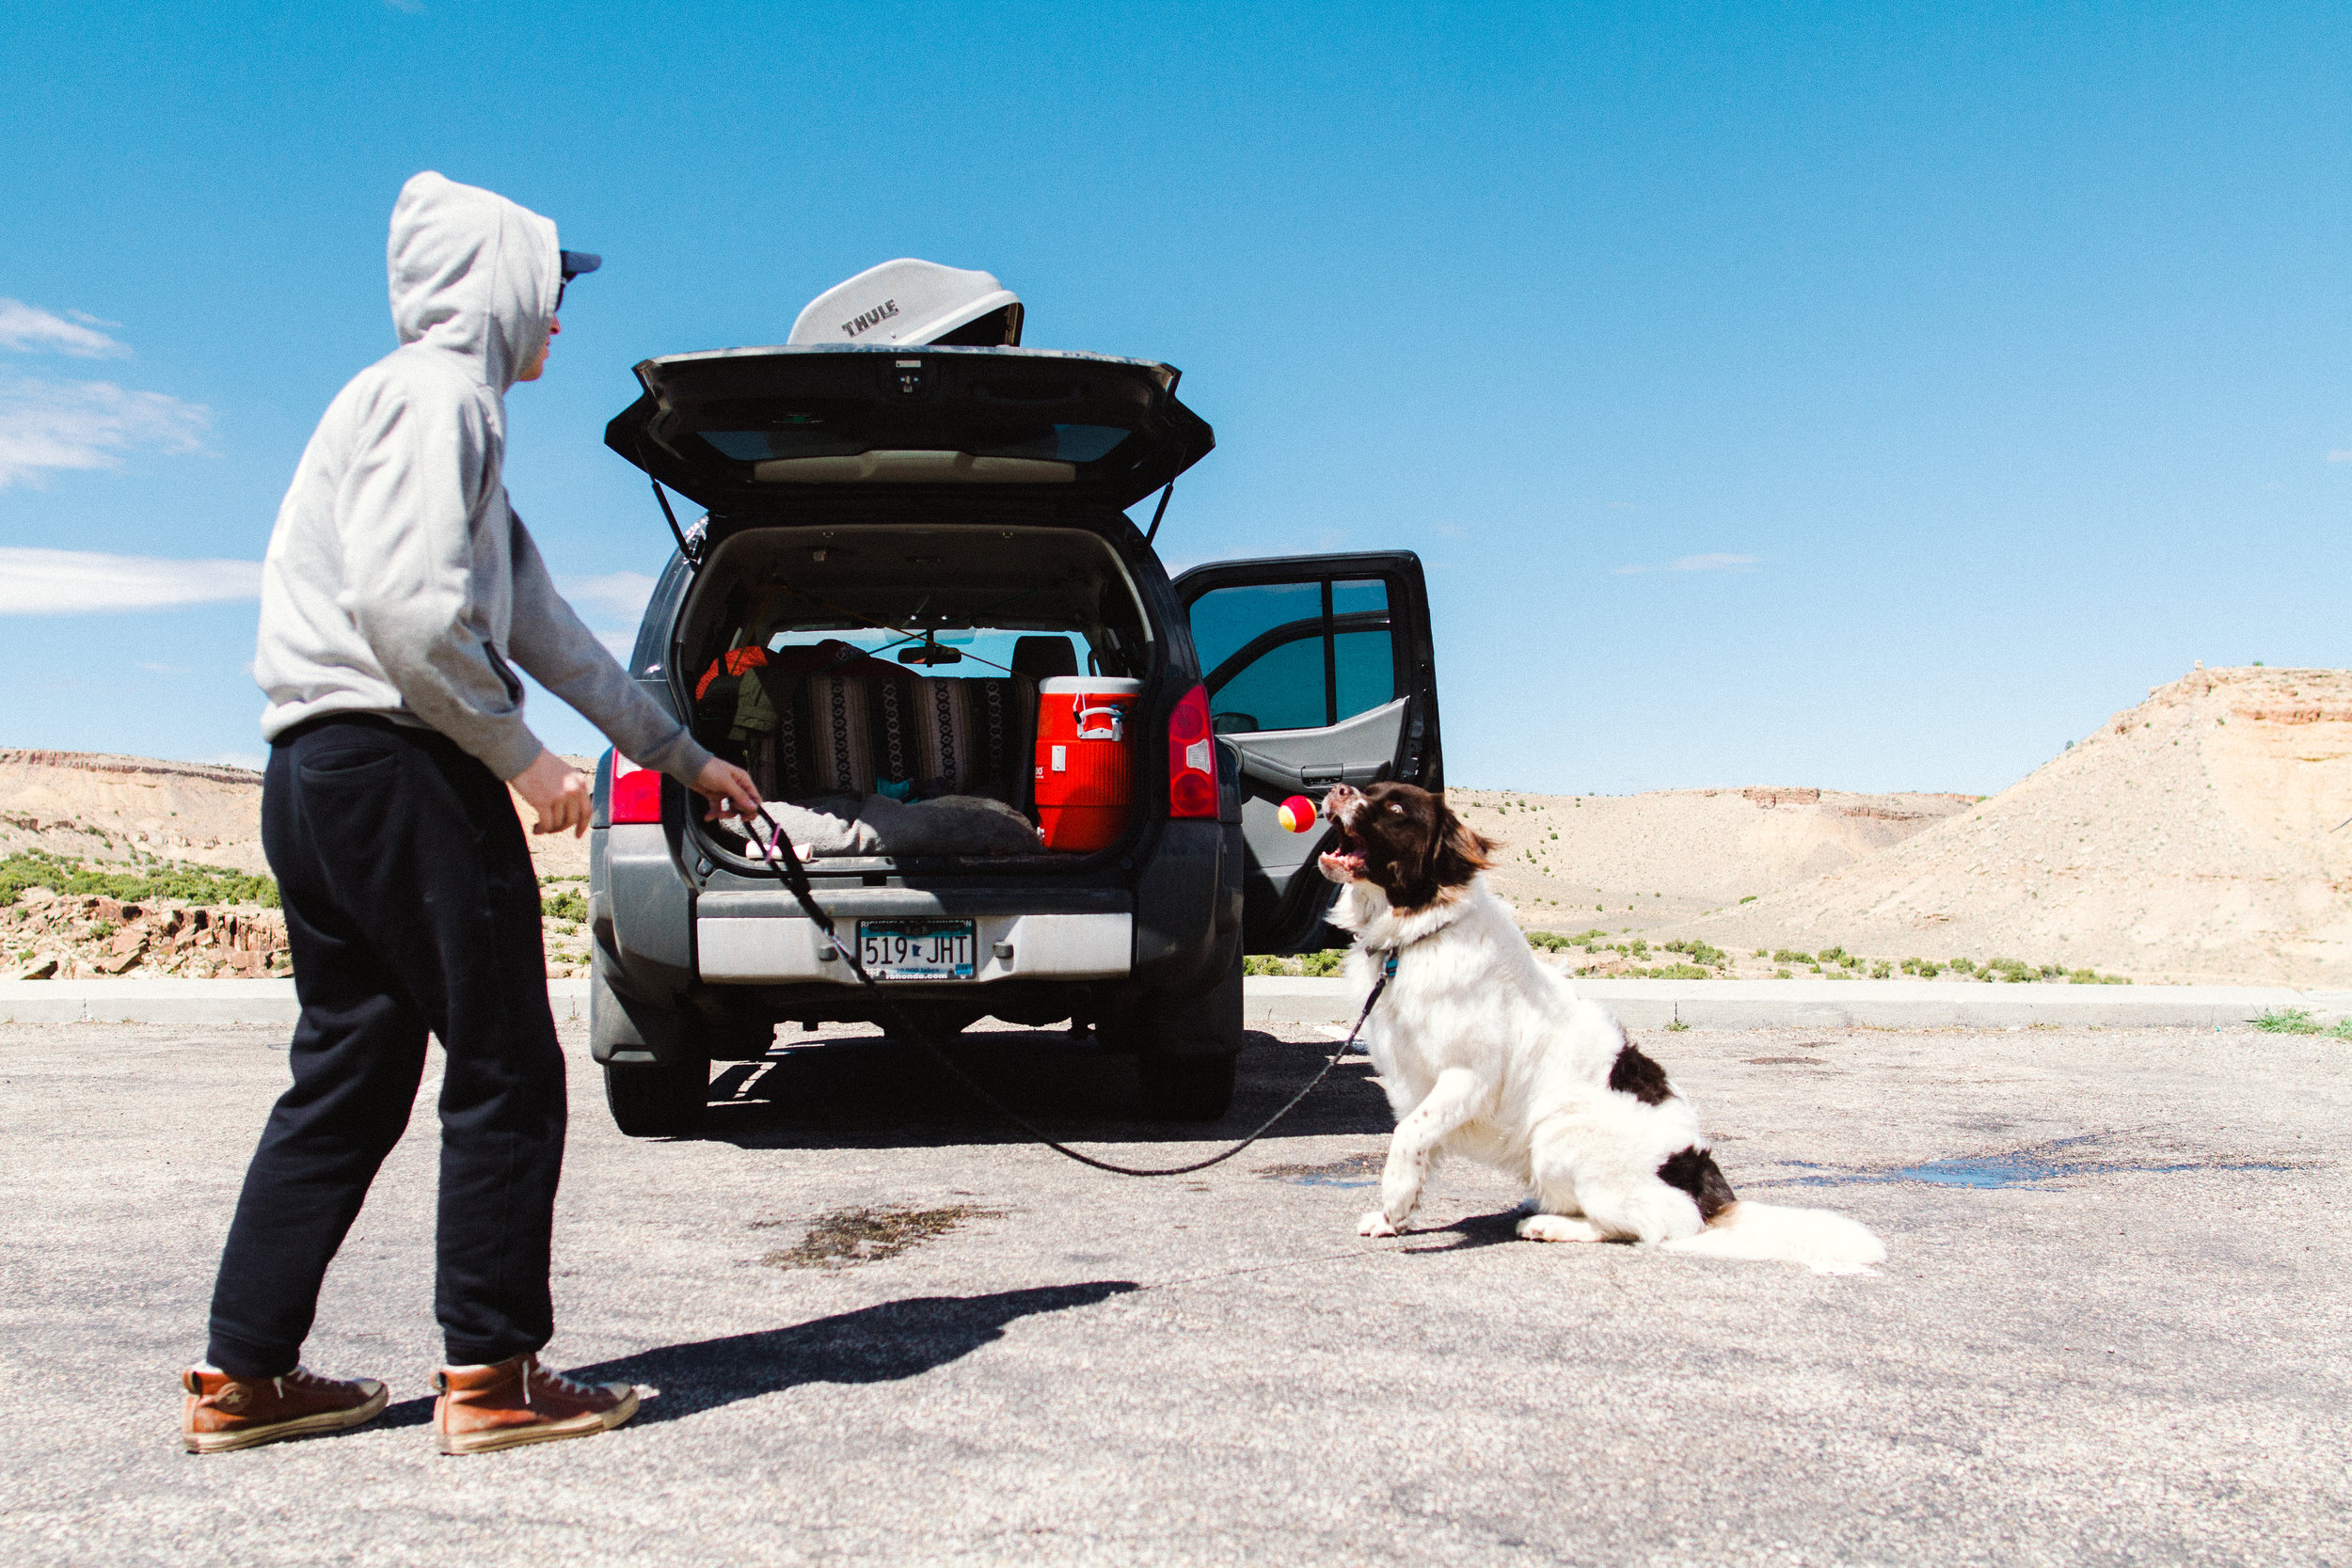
{"type": "Point", "coordinates": [88, 804]}
{"type": "Point", "coordinates": [1570, 861]}
{"type": "Point", "coordinates": [2190, 838]}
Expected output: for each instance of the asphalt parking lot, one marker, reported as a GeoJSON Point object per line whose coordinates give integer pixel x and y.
{"type": "Point", "coordinates": [2112, 1328]}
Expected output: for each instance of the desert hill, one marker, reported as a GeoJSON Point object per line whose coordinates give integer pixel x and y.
{"type": "Point", "coordinates": [2192, 838]}
{"type": "Point", "coordinates": [88, 805]}
{"type": "Point", "coordinates": [1574, 860]}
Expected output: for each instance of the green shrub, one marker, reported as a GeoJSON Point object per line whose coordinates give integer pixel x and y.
{"type": "Point", "coordinates": [1882, 971]}
{"type": "Point", "coordinates": [570, 904]}
{"type": "Point", "coordinates": [192, 884]}
{"type": "Point", "coordinates": [1963, 966]}
{"type": "Point", "coordinates": [1324, 963]}
{"type": "Point", "coordinates": [1831, 954]}
{"type": "Point", "coordinates": [1264, 963]}
{"type": "Point", "coordinates": [1782, 956]}
{"type": "Point", "coordinates": [2287, 1021]}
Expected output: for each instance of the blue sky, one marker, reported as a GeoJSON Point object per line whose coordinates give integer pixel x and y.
{"type": "Point", "coordinates": [1867, 397]}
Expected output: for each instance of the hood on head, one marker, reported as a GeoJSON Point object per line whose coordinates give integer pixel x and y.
{"type": "Point", "coordinates": [473, 274]}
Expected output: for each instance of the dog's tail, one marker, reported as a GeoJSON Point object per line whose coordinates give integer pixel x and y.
{"type": "Point", "coordinates": [1823, 1241]}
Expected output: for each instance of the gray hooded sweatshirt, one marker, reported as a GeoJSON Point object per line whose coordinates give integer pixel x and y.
{"type": "Point", "coordinates": [399, 582]}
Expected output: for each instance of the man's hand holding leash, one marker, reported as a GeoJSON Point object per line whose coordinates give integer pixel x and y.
{"type": "Point", "coordinates": [561, 795]}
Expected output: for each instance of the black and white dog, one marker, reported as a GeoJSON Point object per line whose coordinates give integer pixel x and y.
{"type": "Point", "coordinates": [1486, 1052]}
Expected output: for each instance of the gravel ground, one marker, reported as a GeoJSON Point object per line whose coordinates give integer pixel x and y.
{"type": "Point", "coordinates": [2111, 1330]}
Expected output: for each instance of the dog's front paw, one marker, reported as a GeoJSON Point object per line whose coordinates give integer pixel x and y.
{"type": "Point", "coordinates": [1558, 1227]}
{"type": "Point", "coordinates": [1374, 1224]}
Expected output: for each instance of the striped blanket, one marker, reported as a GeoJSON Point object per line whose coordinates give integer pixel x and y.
{"type": "Point", "coordinates": [829, 734]}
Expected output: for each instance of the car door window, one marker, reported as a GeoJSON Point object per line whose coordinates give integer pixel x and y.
{"type": "Point", "coordinates": [1294, 655]}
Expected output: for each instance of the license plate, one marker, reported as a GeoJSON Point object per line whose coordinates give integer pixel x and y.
{"type": "Point", "coordinates": [916, 949]}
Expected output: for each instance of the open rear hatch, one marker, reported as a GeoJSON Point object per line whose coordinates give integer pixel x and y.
{"type": "Point", "coordinates": [786, 430]}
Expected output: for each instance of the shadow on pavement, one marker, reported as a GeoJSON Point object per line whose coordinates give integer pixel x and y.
{"type": "Point", "coordinates": [1470, 1231]}
{"type": "Point", "coordinates": [867, 1091]}
{"type": "Point", "coordinates": [894, 1340]}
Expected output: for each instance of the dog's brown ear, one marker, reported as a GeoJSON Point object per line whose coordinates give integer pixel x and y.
{"type": "Point", "coordinates": [1457, 851]}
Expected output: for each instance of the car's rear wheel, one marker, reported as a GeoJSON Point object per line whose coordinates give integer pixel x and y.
{"type": "Point", "coordinates": [1186, 1088]}
{"type": "Point", "coordinates": [659, 1100]}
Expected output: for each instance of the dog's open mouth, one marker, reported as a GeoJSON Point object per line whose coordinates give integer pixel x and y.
{"type": "Point", "coordinates": [1346, 862]}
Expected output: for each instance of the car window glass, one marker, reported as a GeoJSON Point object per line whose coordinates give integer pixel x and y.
{"type": "Point", "coordinates": [1280, 689]}
{"type": "Point", "coordinates": [1366, 670]}
{"type": "Point", "coordinates": [1226, 619]}
{"type": "Point", "coordinates": [1294, 655]}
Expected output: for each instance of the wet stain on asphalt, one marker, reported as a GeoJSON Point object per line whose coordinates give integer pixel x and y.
{"type": "Point", "coordinates": [2038, 1167]}
{"type": "Point", "coordinates": [1355, 1170]}
{"type": "Point", "coordinates": [848, 1237]}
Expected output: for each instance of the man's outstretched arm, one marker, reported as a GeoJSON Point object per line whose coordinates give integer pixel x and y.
{"type": "Point", "coordinates": [548, 640]}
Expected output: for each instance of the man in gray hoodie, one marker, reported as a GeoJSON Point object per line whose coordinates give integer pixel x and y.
{"type": "Point", "coordinates": [399, 591]}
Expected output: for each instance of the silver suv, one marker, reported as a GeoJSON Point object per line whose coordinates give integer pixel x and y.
{"type": "Point", "coordinates": [899, 546]}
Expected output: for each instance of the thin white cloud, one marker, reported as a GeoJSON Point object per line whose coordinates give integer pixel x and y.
{"type": "Point", "coordinates": [1451, 530]}
{"type": "Point", "coordinates": [81, 582]}
{"type": "Point", "coordinates": [608, 595]}
{"type": "Point", "coordinates": [252, 762]}
{"type": "Point", "coordinates": [154, 669]}
{"type": "Point", "coordinates": [1699, 564]}
{"type": "Point", "coordinates": [621, 645]}
{"type": "Point", "coordinates": [29, 329]}
{"type": "Point", "coordinates": [2342, 455]}
{"type": "Point", "coordinates": [49, 425]}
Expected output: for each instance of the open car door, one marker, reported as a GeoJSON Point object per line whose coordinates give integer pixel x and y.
{"type": "Point", "coordinates": [1320, 671]}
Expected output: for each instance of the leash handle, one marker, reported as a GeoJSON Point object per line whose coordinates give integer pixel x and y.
{"type": "Point", "coordinates": [778, 854]}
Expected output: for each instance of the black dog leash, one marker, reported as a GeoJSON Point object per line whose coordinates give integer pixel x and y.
{"type": "Point", "coordinates": [788, 869]}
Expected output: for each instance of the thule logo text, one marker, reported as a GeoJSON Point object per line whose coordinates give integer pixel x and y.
{"type": "Point", "coordinates": [868, 319]}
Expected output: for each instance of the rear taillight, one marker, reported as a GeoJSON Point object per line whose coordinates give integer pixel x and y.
{"type": "Point", "coordinates": [1191, 757]}
{"type": "Point", "coordinates": [636, 792]}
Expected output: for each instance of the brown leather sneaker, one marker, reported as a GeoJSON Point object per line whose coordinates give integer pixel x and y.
{"type": "Point", "coordinates": [518, 1400]}
{"type": "Point", "coordinates": [224, 1412]}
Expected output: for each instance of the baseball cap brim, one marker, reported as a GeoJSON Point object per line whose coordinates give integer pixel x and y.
{"type": "Point", "coordinates": [577, 262]}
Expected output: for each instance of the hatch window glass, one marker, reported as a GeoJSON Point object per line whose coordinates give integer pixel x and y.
{"type": "Point", "coordinates": [1294, 655]}
{"type": "Point", "coordinates": [814, 435]}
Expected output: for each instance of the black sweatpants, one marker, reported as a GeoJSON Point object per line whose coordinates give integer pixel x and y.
{"type": "Point", "coordinates": [411, 908]}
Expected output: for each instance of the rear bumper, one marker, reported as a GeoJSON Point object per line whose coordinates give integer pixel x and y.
{"type": "Point", "coordinates": [1173, 929]}
{"type": "Point", "coordinates": [779, 949]}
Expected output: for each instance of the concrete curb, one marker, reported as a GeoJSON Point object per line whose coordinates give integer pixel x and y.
{"type": "Point", "coordinates": [1872, 1004]}
{"type": "Point", "coordinates": [1279, 999]}
{"type": "Point", "coordinates": [190, 1000]}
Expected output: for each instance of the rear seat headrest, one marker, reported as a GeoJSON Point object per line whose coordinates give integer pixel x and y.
{"type": "Point", "coordinates": [1043, 657]}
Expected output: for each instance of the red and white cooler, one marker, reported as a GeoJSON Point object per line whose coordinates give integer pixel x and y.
{"type": "Point", "coordinates": [1085, 770]}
